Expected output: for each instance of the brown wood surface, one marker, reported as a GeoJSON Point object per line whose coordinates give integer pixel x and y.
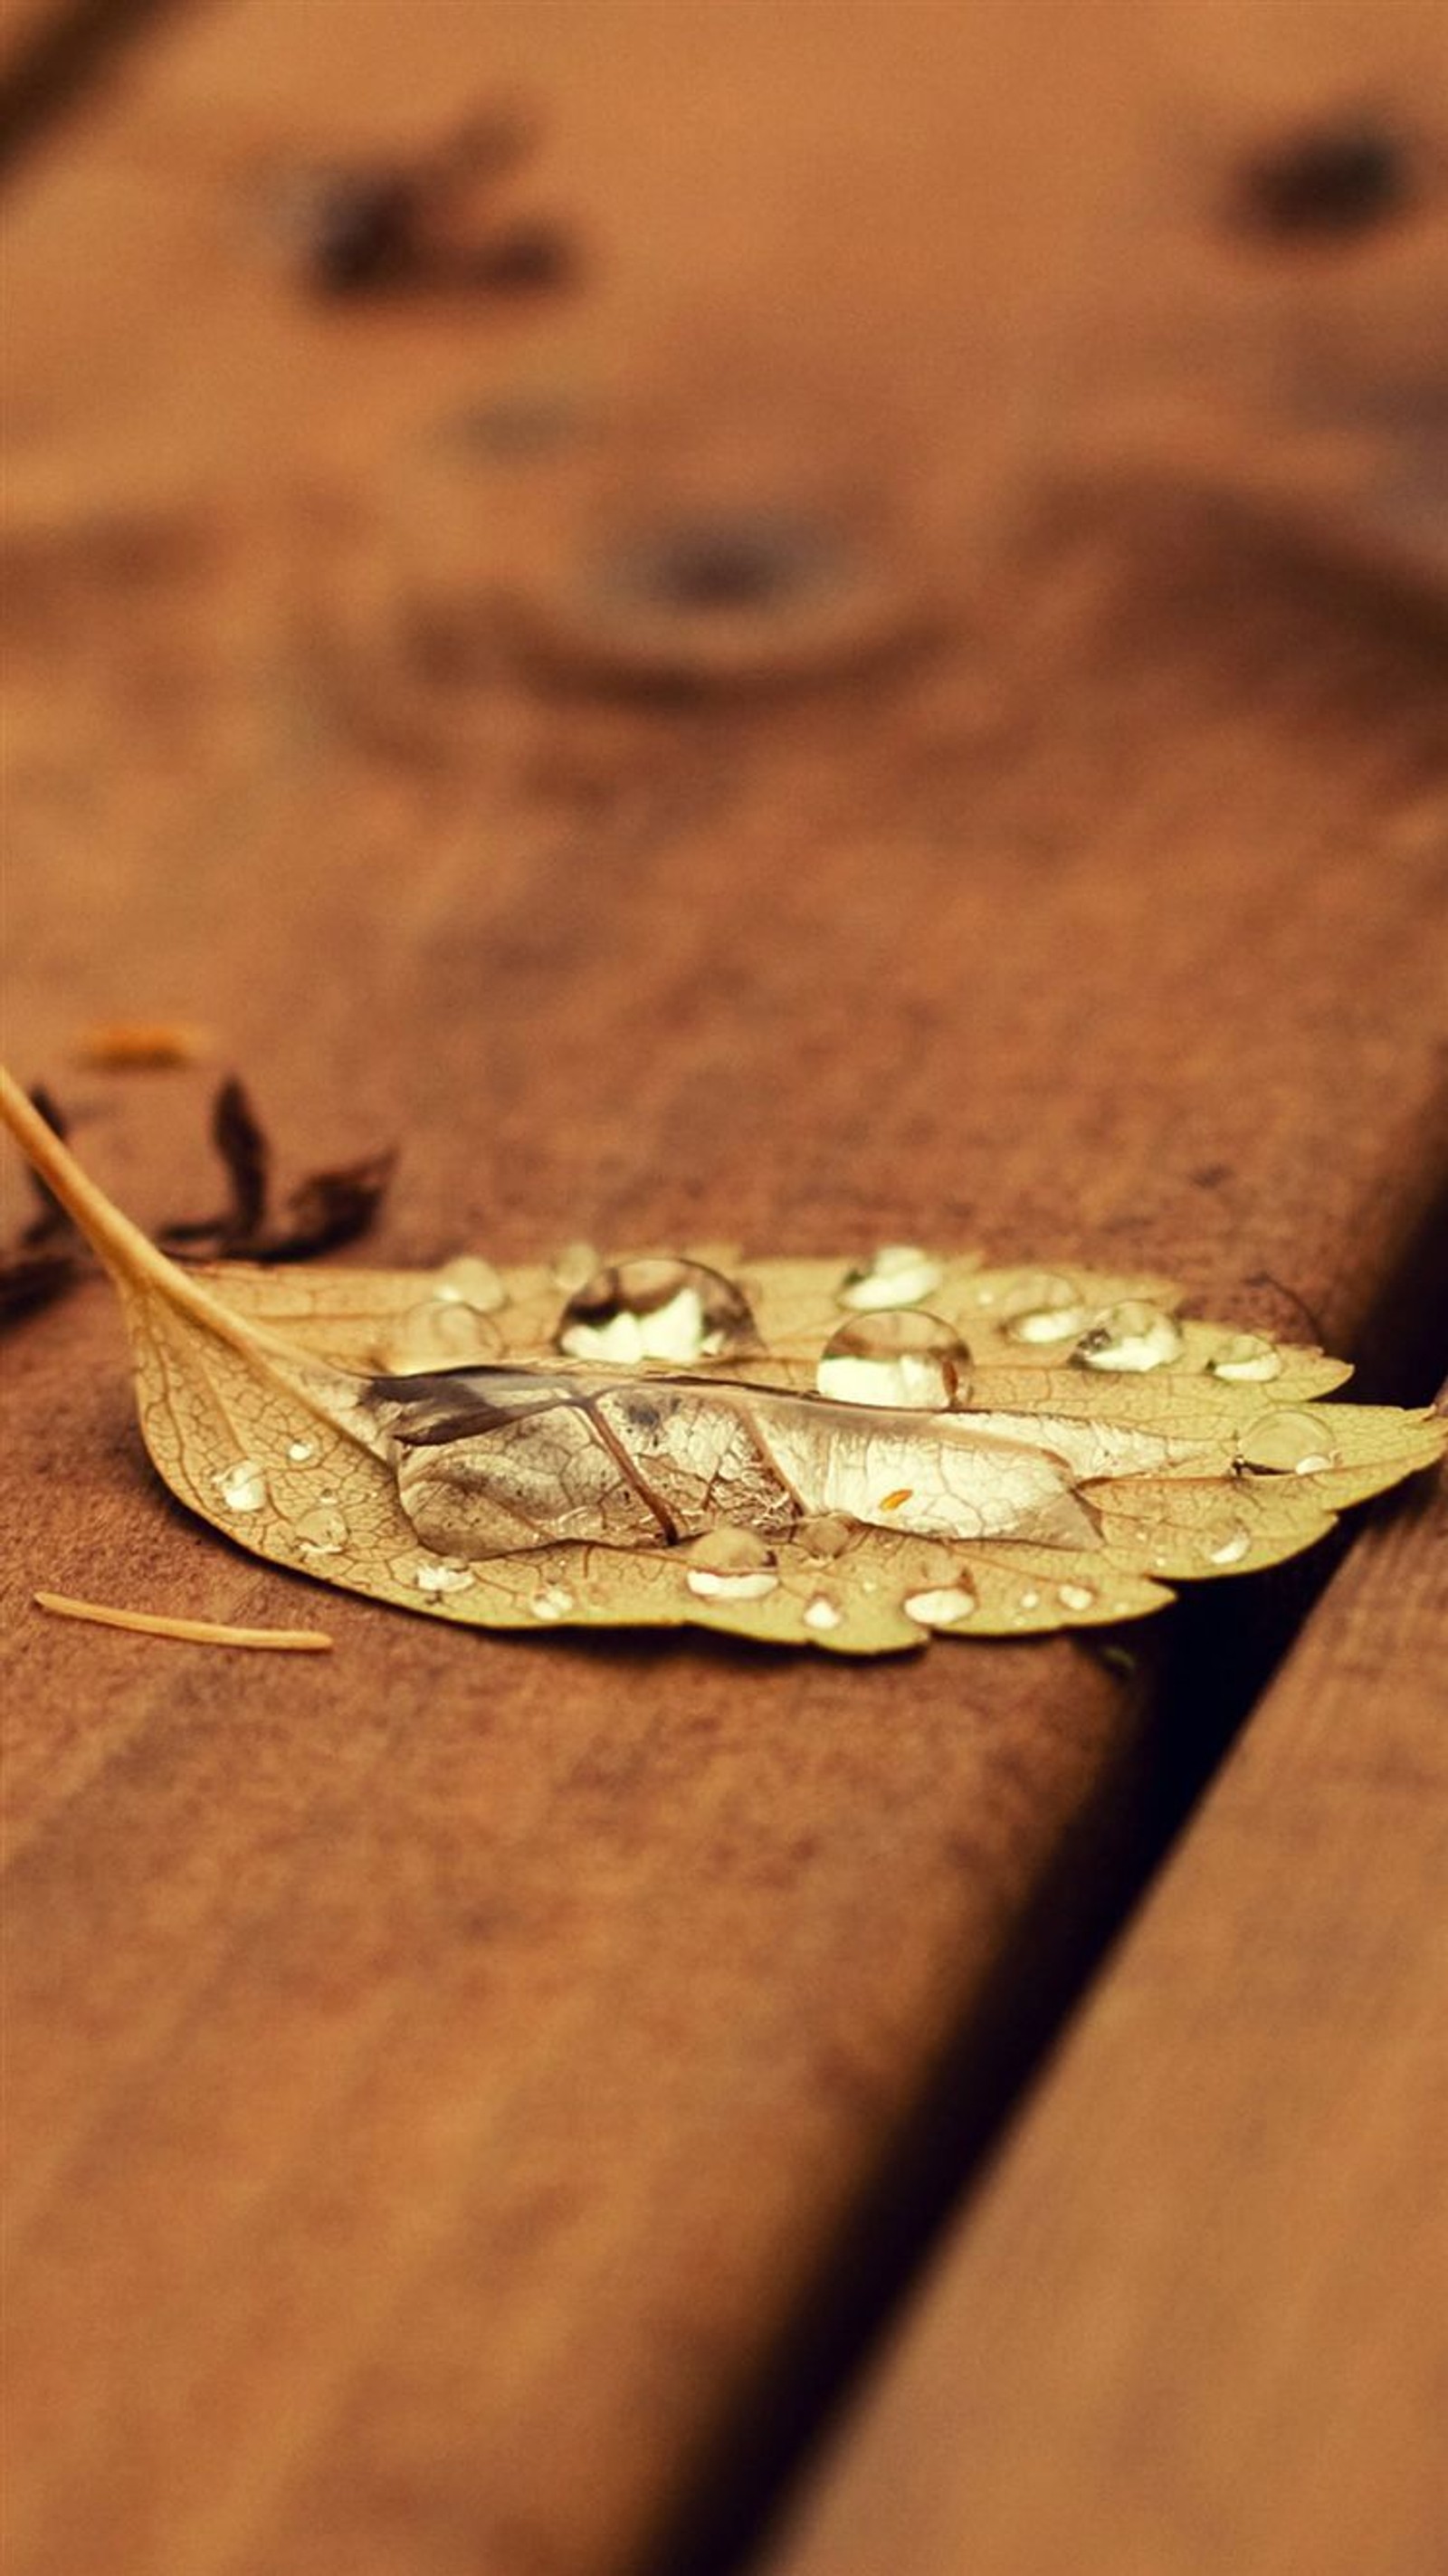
{"type": "Point", "coordinates": [441, 2075]}
{"type": "Point", "coordinates": [1196, 2320]}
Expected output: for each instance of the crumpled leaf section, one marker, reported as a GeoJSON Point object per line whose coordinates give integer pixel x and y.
{"type": "Point", "coordinates": [852, 1454]}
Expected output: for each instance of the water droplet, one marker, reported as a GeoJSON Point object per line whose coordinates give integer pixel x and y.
{"type": "Point", "coordinates": [1290, 1442]}
{"type": "Point", "coordinates": [730, 1587]}
{"type": "Point", "coordinates": [1130, 1339]}
{"type": "Point", "coordinates": [576, 1263]}
{"type": "Point", "coordinates": [942, 1608]}
{"type": "Point", "coordinates": [731, 1565]}
{"type": "Point", "coordinates": [822, 1614]}
{"type": "Point", "coordinates": [655, 1310]}
{"type": "Point", "coordinates": [897, 1357]}
{"type": "Point", "coordinates": [446, 1328]}
{"type": "Point", "coordinates": [320, 1533]}
{"type": "Point", "coordinates": [1227, 1546]}
{"type": "Point", "coordinates": [1030, 1599]}
{"type": "Point", "coordinates": [470, 1281]}
{"type": "Point", "coordinates": [1076, 1596]}
{"type": "Point", "coordinates": [242, 1486]}
{"type": "Point", "coordinates": [829, 1534]}
{"type": "Point", "coordinates": [552, 1603]}
{"type": "Point", "coordinates": [1044, 1306]}
{"type": "Point", "coordinates": [445, 1574]}
{"type": "Point", "coordinates": [1246, 1360]}
{"type": "Point", "coordinates": [899, 1274]}
{"type": "Point", "coordinates": [301, 1452]}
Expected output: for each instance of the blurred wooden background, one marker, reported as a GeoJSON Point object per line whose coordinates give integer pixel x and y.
{"type": "Point", "coordinates": [848, 645]}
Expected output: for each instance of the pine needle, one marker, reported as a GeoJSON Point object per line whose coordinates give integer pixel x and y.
{"type": "Point", "coordinates": [196, 1632]}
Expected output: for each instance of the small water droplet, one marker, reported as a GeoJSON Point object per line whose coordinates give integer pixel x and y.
{"type": "Point", "coordinates": [445, 1574]}
{"type": "Point", "coordinates": [1290, 1442]}
{"type": "Point", "coordinates": [1130, 1339]}
{"type": "Point", "coordinates": [827, 1535]}
{"type": "Point", "coordinates": [321, 1533]}
{"type": "Point", "coordinates": [1030, 1599]}
{"type": "Point", "coordinates": [576, 1263]}
{"type": "Point", "coordinates": [1247, 1359]}
{"type": "Point", "coordinates": [655, 1309]}
{"type": "Point", "coordinates": [552, 1603]}
{"type": "Point", "coordinates": [892, 1276]}
{"type": "Point", "coordinates": [899, 1274]}
{"type": "Point", "coordinates": [301, 1452]}
{"type": "Point", "coordinates": [822, 1614]}
{"type": "Point", "coordinates": [731, 1565]}
{"type": "Point", "coordinates": [470, 1281]}
{"type": "Point", "coordinates": [242, 1486]}
{"type": "Point", "coordinates": [899, 1357]}
{"type": "Point", "coordinates": [1076, 1596]}
{"type": "Point", "coordinates": [730, 1587]}
{"type": "Point", "coordinates": [446, 1328]}
{"type": "Point", "coordinates": [1044, 1306]}
{"type": "Point", "coordinates": [1227, 1546]}
{"type": "Point", "coordinates": [941, 1608]}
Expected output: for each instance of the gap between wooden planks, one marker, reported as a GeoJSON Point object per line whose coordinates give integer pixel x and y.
{"type": "Point", "coordinates": [1196, 2320]}
{"type": "Point", "coordinates": [437, 2087]}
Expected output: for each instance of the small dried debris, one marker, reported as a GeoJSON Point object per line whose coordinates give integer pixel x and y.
{"type": "Point", "coordinates": [324, 1211]}
{"type": "Point", "coordinates": [142, 1046]}
{"type": "Point", "coordinates": [404, 226]}
{"type": "Point", "coordinates": [1324, 185]}
{"type": "Point", "coordinates": [49, 1254]}
{"type": "Point", "coordinates": [194, 1632]}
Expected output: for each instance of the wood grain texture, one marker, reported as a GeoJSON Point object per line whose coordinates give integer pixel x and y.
{"type": "Point", "coordinates": [1197, 2319]}
{"type": "Point", "coordinates": [437, 2080]}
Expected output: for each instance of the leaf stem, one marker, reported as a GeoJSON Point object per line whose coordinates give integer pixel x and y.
{"type": "Point", "coordinates": [129, 1255]}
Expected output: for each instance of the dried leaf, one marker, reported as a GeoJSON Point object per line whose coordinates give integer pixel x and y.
{"type": "Point", "coordinates": [806, 1452]}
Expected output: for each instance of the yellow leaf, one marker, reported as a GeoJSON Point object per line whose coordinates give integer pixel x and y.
{"type": "Point", "coordinates": [849, 1454]}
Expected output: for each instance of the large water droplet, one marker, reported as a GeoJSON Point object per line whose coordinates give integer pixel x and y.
{"type": "Point", "coordinates": [731, 1565]}
{"type": "Point", "coordinates": [899, 1357]}
{"type": "Point", "coordinates": [1076, 1596]}
{"type": "Point", "coordinates": [941, 1608]}
{"type": "Point", "coordinates": [242, 1486]}
{"type": "Point", "coordinates": [1246, 1359]}
{"type": "Point", "coordinates": [1291, 1442]}
{"type": "Point", "coordinates": [1130, 1339]}
{"type": "Point", "coordinates": [553, 1603]}
{"type": "Point", "coordinates": [655, 1310]}
{"type": "Point", "coordinates": [1044, 1306]}
{"type": "Point", "coordinates": [320, 1532]}
{"type": "Point", "coordinates": [470, 1281]}
{"type": "Point", "coordinates": [899, 1274]}
{"type": "Point", "coordinates": [821, 1614]}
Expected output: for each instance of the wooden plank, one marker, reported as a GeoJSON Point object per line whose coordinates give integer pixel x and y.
{"type": "Point", "coordinates": [1197, 2319]}
{"type": "Point", "coordinates": [438, 2082]}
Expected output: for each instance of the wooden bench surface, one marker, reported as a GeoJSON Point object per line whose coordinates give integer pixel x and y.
{"type": "Point", "coordinates": [467, 2098]}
